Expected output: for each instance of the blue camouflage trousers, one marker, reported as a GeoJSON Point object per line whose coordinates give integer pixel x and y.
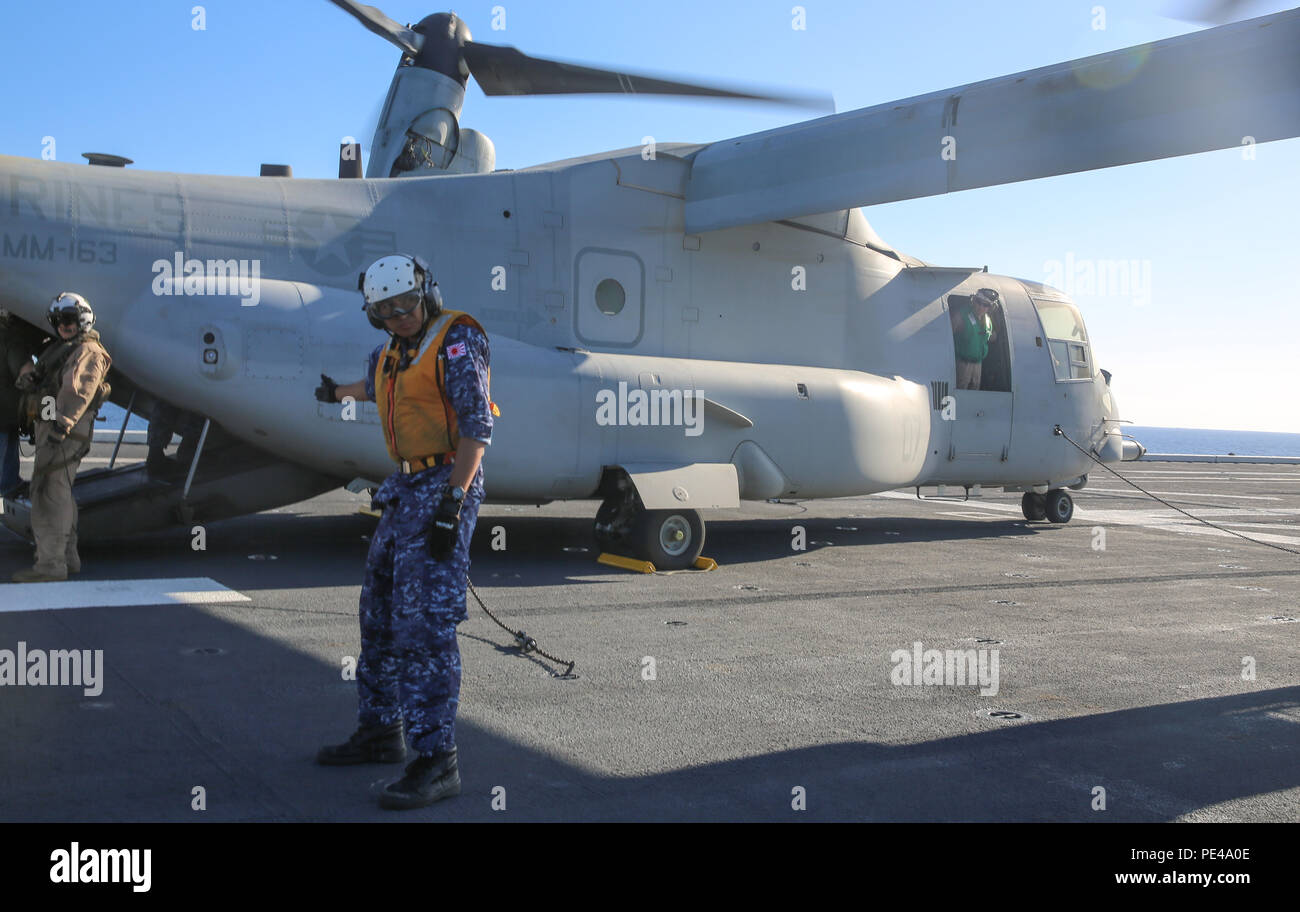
{"type": "Point", "coordinates": [410, 606]}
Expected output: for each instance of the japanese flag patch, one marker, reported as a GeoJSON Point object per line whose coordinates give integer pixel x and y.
{"type": "Point", "coordinates": [456, 351]}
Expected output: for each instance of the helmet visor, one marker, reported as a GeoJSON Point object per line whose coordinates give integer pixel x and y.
{"type": "Point", "coordinates": [67, 316]}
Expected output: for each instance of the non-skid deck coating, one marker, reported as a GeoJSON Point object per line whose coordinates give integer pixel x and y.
{"type": "Point", "coordinates": [1125, 667]}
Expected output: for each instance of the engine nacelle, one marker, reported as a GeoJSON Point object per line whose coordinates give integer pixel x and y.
{"type": "Point", "coordinates": [419, 129]}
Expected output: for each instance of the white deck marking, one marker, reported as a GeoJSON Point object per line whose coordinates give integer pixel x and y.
{"type": "Point", "coordinates": [115, 594]}
{"type": "Point", "coordinates": [1164, 520]}
{"type": "Point", "coordinates": [1136, 493]}
{"type": "Point", "coordinates": [1252, 478]}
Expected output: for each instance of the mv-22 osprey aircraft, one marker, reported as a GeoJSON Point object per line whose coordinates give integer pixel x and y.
{"type": "Point", "coordinates": [617, 285]}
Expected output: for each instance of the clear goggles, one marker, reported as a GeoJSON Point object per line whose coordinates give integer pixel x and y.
{"type": "Point", "coordinates": [396, 306]}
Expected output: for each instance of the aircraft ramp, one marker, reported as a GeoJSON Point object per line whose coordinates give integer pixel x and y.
{"type": "Point", "coordinates": [229, 478]}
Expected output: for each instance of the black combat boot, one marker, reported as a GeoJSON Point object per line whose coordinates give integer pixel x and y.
{"type": "Point", "coordinates": [375, 744]}
{"type": "Point", "coordinates": [428, 779]}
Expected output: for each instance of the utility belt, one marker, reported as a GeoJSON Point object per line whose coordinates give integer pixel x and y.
{"type": "Point", "coordinates": [411, 466]}
{"type": "Point", "coordinates": [83, 447]}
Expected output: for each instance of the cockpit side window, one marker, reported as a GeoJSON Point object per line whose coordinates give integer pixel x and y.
{"type": "Point", "coordinates": [1067, 340]}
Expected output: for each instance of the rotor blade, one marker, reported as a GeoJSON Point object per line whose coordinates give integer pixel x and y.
{"type": "Point", "coordinates": [1214, 89]}
{"type": "Point", "coordinates": [504, 70]}
{"type": "Point", "coordinates": [1218, 12]}
{"type": "Point", "coordinates": [382, 26]}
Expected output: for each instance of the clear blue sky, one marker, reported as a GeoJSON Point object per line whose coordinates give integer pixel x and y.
{"type": "Point", "coordinates": [1214, 346]}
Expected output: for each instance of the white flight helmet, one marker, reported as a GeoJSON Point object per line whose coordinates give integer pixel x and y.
{"type": "Point", "coordinates": [397, 274]}
{"type": "Point", "coordinates": [69, 302]}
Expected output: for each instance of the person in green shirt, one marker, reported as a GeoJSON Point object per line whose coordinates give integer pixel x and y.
{"type": "Point", "coordinates": [972, 330]}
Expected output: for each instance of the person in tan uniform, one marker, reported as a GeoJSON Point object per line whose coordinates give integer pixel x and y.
{"type": "Point", "coordinates": [68, 386]}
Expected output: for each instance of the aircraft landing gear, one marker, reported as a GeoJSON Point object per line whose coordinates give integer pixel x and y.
{"type": "Point", "coordinates": [1058, 505]}
{"type": "Point", "coordinates": [669, 539]}
{"type": "Point", "coordinates": [616, 517]}
{"type": "Point", "coordinates": [1031, 505]}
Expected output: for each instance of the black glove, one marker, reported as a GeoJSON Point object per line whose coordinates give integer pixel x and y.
{"type": "Point", "coordinates": [444, 528]}
{"type": "Point", "coordinates": [327, 389]}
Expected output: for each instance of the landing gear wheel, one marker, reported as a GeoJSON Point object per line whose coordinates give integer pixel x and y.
{"type": "Point", "coordinates": [1031, 505]}
{"type": "Point", "coordinates": [669, 539]}
{"type": "Point", "coordinates": [1059, 505]}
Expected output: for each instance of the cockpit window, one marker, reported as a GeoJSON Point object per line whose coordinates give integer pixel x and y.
{"type": "Point", "coordinates": [1067, 340]}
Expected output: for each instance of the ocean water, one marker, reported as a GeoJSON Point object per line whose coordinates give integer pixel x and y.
{"type": "Point", "coordinates": [111, 417]}
{"type": "Point", "coordinates": [1206, 442]}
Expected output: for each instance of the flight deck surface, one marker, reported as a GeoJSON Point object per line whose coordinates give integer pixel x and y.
{"type": "Point", "coordinates": [1137, 652]}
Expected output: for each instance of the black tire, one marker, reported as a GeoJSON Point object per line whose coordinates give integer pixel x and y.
{"type": "Point", "coordinates": [1031, 505]}
{"type": "Point", "coordinates": [669, 539]}
{"type": "Point", "coordinates": [1059, 505]}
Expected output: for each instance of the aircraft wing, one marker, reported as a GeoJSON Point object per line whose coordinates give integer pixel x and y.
{"type": "Point", "coordinates": [1205, 90]}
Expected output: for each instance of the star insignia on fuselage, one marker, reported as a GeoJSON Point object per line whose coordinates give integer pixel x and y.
{"type": "Point", "coordinates": [330, 243]}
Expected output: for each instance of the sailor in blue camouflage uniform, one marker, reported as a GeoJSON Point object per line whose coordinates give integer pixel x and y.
{"type": "Point", "coordinates": [431, 382]}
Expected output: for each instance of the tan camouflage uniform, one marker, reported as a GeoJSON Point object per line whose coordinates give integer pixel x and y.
{"type": "Point", "coordinates": [76, 401]}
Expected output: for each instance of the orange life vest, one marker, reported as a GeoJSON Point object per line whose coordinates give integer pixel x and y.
{"type": "Point", "coordinates": [419, 420]}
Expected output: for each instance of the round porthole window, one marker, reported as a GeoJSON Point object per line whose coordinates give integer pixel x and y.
{"type": "Point", "coordinates": [610, 297]}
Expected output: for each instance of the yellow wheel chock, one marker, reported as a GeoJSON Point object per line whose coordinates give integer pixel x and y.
{"type": "Point", "coordinates": [640, 566]}
{"type": "Point", "coordinates": [627, 563]}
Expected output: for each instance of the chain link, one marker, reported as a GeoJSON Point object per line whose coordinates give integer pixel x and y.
{"type": "Point", "coordinates": [525, 643]}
